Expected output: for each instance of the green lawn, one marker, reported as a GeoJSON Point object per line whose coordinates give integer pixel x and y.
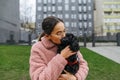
{"type": "Point", "coordinates": [14, 64]}
{"type": "Point", "coordinates": [101, 68]}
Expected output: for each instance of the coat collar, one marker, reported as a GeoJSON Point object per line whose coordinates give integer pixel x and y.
{"type": "Point", "coordinates": [47, 43]}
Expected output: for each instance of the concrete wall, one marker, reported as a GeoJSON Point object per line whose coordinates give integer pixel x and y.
{"type": "Point", "coordinates": [9, 20]}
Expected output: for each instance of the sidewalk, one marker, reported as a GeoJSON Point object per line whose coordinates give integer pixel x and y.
{"type": "Point", "coordinates": [111, 52]}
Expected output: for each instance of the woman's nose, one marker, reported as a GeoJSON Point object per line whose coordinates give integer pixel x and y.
{"type": "Point", "coordinates": [63, 35]}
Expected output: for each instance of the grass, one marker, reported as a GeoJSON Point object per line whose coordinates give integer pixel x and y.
{"type": "Point", "coordinates": [100, 67]}
{"type": "Point", "coordinates": [14, 64]}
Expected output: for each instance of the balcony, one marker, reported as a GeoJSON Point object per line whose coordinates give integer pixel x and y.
{"type": "Point", "coordinates": [114, 31]}
{"type": "Point", "coordinates": [107, 10]}
{"type": "Point", "coordinates": [111, 3]}
{"type": "Point", "coordinates": [116, 10]}
{"type": "Point", "coordinates": [112, 16]}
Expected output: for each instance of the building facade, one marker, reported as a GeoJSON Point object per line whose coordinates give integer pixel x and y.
{"type": "Point", "coordinates": [107, 18]}
{"type": "Point", "coordinates": [77, 14]}
{"type": "Point", "coordinates": [9, 21]}
{"type": "Point", "coordinates": [111, 13]}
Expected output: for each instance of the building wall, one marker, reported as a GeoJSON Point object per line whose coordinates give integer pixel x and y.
{"type": "Point", "coordinates": [98, 17]}
{"type": "Point", "coordinates": [77, 14]}
{"type": "Point", "coordinates": [9, 20]}
{"type": "Point", "coordinates": [111, 20]}
{"type": "Point", "coordinates": [107, 18]}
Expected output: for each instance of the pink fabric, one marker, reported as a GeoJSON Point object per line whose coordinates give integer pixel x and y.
{"type": "Point", "coordinates": [46, 64]}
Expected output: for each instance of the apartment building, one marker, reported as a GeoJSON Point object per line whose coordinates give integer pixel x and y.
{"type": "Point", "coordinates": [107, 18]}
{"type": "Point", "coordinates": [77, 14]}
{"type": "Point", "coordinates": [111, 22]}
{"type": "Point", "coordinates": [9, 21]}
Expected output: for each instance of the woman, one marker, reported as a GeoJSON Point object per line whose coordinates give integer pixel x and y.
{"type": "Point", "coordinates": [45, 63]}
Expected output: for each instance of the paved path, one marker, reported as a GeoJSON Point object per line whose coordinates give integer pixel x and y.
{"type": "Point", "coordinates": [111, 52]}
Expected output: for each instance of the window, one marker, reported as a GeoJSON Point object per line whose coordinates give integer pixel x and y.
{"type": "Point", "coordinates": [90, 24]}
{"type": "Point", "coordinates": [84, 8]}
{"type": "Point", "coordinates": [79, 1]}
{"type": "Point", "coordinates": [113, 6]}
{"type": "Point", "coordinates": [106, 6]}
{"type": "Point", "coordinates": [84, 1]}
{"type": "Point", "coordinates": [74, 16]}
{"type": "Point", "coordinates": [80, 33]}
{"type": "Point", "coordinates": [60, 1]}
{"type": "Point", "coordinates": [49, 14]}
{"type": "Point", "coordinates": [89, 16]}
{"type": "Point", "coordinates": [45, 1]}
{"type": "Point", "coordinates": [113, 27]}
{"type": "Point", "coordinates": [89, 1]}
{"type": "Point", "coordinates": [90, 32]}
{"type": "Point", "coordinates": [80, 16]}
{"type": "Point", "coordinates": [60, 8]}
{"type": "Point", "coordinates": [80, 9]}
{"type": "Point", "coordinates": [45, 9]}
{"type": "Point", "coordinates": [66, 7]}
{"type": "Point", "coordinates": [74, 32]}
{"type": "Point", "coordinates": [66, 1]}
{"type": "Point", "coordinates": [53, 14]}
{"type": "Point", "coordinates": [53, 8]}
{"type": "Point", "coordinates": [49, 8]}
{"type": "Point", "coordinates": [39, 17]}
{"type": "Point", "coordinates": [39, 25]}
{"type": "Point", "coordinates": [60, 15]}
{"type": "Point", "coordinates": [73, 24]}
{"type": "Point", "coordinates": [67, 24]}
{"type": "Point", "coordinates": [39, 1]}
{"type": "Point", "coordinates": [89, 8]}
{"type": "Point", "coordinates": [118, 27]}
{"type": "Point", "coordinates": [45, 15]}
{"type": "Point", "coordinates": [39, 8]}
{"type": "Point", "coordinates": [72, 1]}
{"type": "Point", "coordinates": [49, 1]}
{"type": "Point", "coordinates": [53, 1]}
{"type": "Point", "coordinates": [80, 25]}
{"type": "Point", "coordinates": [66, 15]}
{"type": "Point", "coordinates": [85, 16]}
{"type": "Point", "coordinates": [73, 8]}
{"type": "Point", "coordinates": [118, 6]}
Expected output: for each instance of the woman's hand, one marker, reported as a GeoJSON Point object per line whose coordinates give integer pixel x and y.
{"type": "Point", "coordinates": [67, 76]}
{"type": "Point", "coordinates": [62, 77]}
{"type": "Point", "coordinates": [66, 52]}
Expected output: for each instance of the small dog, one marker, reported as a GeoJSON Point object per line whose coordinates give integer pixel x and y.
{"type": "Point", "coordinates": [73, 61]}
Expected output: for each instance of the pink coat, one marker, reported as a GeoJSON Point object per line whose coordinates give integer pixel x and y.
{"type": "Point", "coordinates": [46, 64]}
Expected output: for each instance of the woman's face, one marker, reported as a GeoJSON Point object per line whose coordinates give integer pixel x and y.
{"type": "Point", "coordinates": [58, 33]}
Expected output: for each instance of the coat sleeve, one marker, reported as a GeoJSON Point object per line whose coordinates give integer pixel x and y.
{"type": "Point", "coordinates": [39, 70]}
{"type": "Point", "coordinates": [83, 70]}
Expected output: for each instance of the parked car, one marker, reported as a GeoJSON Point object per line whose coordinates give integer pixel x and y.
{"type": "Point", "coordinates": [34, 41]}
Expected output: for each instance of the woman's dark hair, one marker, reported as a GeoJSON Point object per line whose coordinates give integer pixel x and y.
{"type": "Point", "coordinates": [48, 25]}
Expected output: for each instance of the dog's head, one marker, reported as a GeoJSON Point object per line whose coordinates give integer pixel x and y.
{"type": "Point", "coordinates": [70, 40]}
{"type": "Point", "coordinates": [73, 61]}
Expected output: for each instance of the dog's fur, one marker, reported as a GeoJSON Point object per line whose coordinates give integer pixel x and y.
{"type": "Point", "coordinates": [73, 61]}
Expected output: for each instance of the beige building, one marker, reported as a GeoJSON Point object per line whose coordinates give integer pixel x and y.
{"type": "Point", "coordinates": [107, 17]}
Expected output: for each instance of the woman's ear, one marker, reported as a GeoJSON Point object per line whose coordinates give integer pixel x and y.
{"type": "Point", "coordinates": [47, 36]}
